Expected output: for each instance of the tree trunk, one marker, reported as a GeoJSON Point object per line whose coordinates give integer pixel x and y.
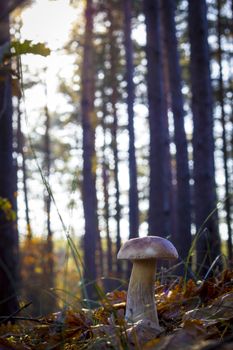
{"type": "Point", "coordinates": [20, 145]}
{"type": "Point", "coordinates": [114, 55]}
{"type": "Point", "coordinates": [49, 258]}
{"type": "Point", "coordinates": [9, 6]}
{"type": "Point", "coordinates": [47, 162]}
{"type": "Point", "coordinates": [133, 190]}
{"type": "Point", "coordinates": [89, 156]}
{"type": "Point", "coordinates": [157, 121]}
{"type": "Point", "coordinates": [183, 206]}
{"type": "Point", "coordinates": [99, 258]}
{"type": "Point", "coordinates": [105, 177]}
{"type": "Point", "coordinates": [8, 230]}
{"type": "Point", "coordinates": [170, 189]}
{"type": "Point", "coordinates": [206, 218]}
{"type": "Point", "coordinates": [223, 122]}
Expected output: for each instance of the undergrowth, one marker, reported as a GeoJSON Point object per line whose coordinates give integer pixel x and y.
{"type": "Point", "coordinates": [199, 316]}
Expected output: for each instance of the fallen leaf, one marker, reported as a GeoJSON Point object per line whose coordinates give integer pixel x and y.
{"type": "Point", "coordinates": [220, 310]}
{"type": "Point", "coordinates": [142, 332]}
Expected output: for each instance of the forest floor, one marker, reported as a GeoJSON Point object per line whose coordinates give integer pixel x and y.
{"type": "Point", "coordinates": [194, 316]}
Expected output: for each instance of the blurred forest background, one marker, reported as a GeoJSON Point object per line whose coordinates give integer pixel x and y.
{"type": "Point", "coordinates": [123, 130]}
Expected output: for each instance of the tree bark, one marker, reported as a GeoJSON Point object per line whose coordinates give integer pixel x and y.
{"type": "Point", "coordinates": [47, 163]}
{"type": "Point", "coordinates": [20, 150]}
{"type": "Point", "coordinates": [89, 155]}
{"type": "Point", "coordinates": [8, 230]}
{"type": "Point", "coordinates": [9, 6]}
{"type": "Point", "coordinates": [49, 258]}
{"type": "Point", "coordinates": [206, 218]}
{"type": "Point", "coordinates": [133, 190]}
{"type": "Point", "coordinates": [223, 122]}
{"type": "Point", "coordinates": [105, 177]}
{"type": "Point", "coordinates": [157, 121]}
{"type": "Point", "coordinates": [183, 206]}
{"type": "Point", "coordinates": [114, 56]}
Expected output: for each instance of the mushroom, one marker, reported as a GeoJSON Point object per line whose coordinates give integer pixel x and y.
{"type": "Point", "coordinates": [144, 253]}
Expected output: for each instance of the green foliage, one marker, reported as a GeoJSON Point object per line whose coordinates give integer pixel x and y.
{"type": "Point", "coordinates": [6, 208]}
{"type": "Point", "coordinates": [17, 48]}
{"type": "Point", "coordinates": [26, 47]}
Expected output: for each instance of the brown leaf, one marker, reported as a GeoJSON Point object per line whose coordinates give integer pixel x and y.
{"type": "Point", "coordinates": [109, 333]}
{"type": "Point", "coordinates": [220, 310]}
{"type": "Point", "coordinates": [74, 319]}
{"type": "Point", "coordinates": [142, 332]}
{"type": "Point", "coordinates": [179, 340]}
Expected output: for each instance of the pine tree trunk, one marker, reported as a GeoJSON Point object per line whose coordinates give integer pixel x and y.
{"type": "Point", "coordinates": [157, 121]}
{"type": "Point", "coordinates": [133, 190]}
{"type": "Point", "coordinates": [223, 122]}
{"type": "Point", "coordinates": [20, 145]}
{"type": "Point", "coordinates": [8, 230]}
{"type": "Point", "coordinates": [89, 156]}
{"type": "Point", "coordinates": [170, 190]}
{"type": "Point", "coordinates": [49, 244]}
{"type": "Point", "coordinates": [47, 162]}
{"type": "Point", "coordinates": [9, 6]}
{"type": "Point", "coordinates": [105, 176]}
{"type": "Point", "coordinates": [183, 207]}
{"type": "Point", "coordinates": [206, 218]}
{"type": "Point", "coordinates": [99, 258]}
{"type": "Point", "coordinates": [114, 55]}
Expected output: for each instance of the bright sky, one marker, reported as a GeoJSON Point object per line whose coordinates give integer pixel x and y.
{"type": "Point", "coordinates": [48, 21]}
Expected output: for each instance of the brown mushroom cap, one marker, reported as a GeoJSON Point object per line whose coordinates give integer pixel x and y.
{"type": "Point", "coordinates": [149, 247]}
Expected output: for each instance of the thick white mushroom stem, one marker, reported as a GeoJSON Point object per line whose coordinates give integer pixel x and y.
{"type": "Point", "coordinates": [141, 294]}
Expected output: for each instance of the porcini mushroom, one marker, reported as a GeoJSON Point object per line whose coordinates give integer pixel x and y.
{"type": "Point", "coordinates": [144, 253]}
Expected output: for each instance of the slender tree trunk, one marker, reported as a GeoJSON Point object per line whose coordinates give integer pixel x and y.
{"type": "Point", "coordinates": [206, 218]}
{"type": "Point", "coordinates": [116, 180]}
{"type": "Point", "coordinates": [183, 211]}
{"type": "Point", "coordinates": [89, 155]}
{"type": "Point", "coordinates": [133, 190]}
{"type": "Point", "coordinates": [20, 145]}
{"type": "Point", "coordinates": [8, 230]}
{"type": "Point", "coordinates": [49, 258]}
{"type": "Point", "coordinates": [105, 173]}
{"type": "Point", "coordinates": [157, 122]}
{"type": "Point", "coordinates": [114, 55]}
{"type": "Point", "coordinates": [170, 190]}
{"type": "Point", "coordinates": [47, 166]}
{"type": "Point", "coordinates": [223, 122]}
{"type": "Point", "coordinates": [99, 257]}
{"type": "Point", "coordinates": [105, 176]}
{"type": "Point", "coordinates": [232, 9]}
{"type": "Point", "coordinates": [8, 7]}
